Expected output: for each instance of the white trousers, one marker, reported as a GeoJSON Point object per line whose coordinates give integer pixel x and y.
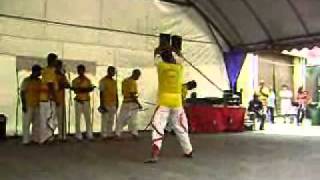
{"type": "Point", "coordinates": [107, 121]}
{"type": "Point", "coordinates": [61, 116]}
{"type": "Point", "coordinates": [30, 117]}
{"type": "Point", "coordinates": [85, 109]}
{"type": "Point", "coordinates": [127, 116]}
{"type": "Point", "coordinates": [48, 120]}
{"type": "Point", "coordinates": [179, 123]}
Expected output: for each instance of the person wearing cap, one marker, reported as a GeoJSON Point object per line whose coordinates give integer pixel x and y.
{"type": "Point", "coordinates": [130, 105]}
{"type": "Point", "coordinates": [82, 87]}
{"type": "Point", "coordinates": [30, 99]}
{"type": "Point", "coordinates": [61, 100]}
{"type": "Point", "coordinates": [108, 102]}
{"type": "Point", "coordinates": [49, 85]}
{"type": "Point", "coordinates": [170, 103]}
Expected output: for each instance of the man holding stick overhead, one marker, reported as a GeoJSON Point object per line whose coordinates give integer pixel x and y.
{"type": "Point", "coordinates": [170, 80]}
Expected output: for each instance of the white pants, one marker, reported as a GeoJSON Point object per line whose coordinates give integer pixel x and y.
{"type": "Point", "coordinates": [179, 124]}
{"type": "Point", "coordinates": [61, 116]}
{"type": "Point", "coordinates": [85, 109]}
{"type": "Point", "coordinates": [31, 116]}
{"type": "Point", "coordinates": [48, 120]}
{"type": "Point", "coordinates": [127, 116]}
{"type": "Point", "coordinates": [107, 121]}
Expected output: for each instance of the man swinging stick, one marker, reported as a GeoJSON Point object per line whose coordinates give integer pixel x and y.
{"type": "Point", "coordinates": [170, 80]}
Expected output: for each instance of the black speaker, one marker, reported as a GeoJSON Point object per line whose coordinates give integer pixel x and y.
{"type": "Point", "coordinates": [3, 125]}
{"type": "Point", "coordinates": [164, 40]}
{"type": "Point", "coordinates": [176, 42]}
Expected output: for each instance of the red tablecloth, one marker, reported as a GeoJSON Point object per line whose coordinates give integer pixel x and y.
{"type": "Point", "coordinates": [211, 119]}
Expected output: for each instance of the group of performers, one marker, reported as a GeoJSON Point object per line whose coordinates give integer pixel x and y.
{"type": "Point", "coordinates": [263, 104]}
{"type": "Point", "coordinates": [43, 102]}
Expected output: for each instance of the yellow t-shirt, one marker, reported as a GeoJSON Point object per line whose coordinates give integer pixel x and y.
{"type": "Point", "coordinates": [81, 83]}
{"type": "Point", "coordinates": [48, 75]}
{"type": "Point", "coordinates": [108, 87]}
{"type": "Point", "coordinates": [129, 87]}
{"type": "Point", "coordinates": [31, 87]}
{"type": "Point", "coordinates": [60, 93]}
{"type": "Point", "coordinates": [170, 79]}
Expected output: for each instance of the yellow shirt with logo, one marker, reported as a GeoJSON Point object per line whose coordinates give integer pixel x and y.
{"type": "Point", "coordinates": [60, 93]}
{"type": "Point", "coordinates": [129, 87]}
{"type": "Point", "coordinates": [31, 87]}
{"type": "Point", "coordinates": [170, 79]}
{"type": "Point", "coordinates": [81, 83]}
{"type": "Point", "coordinates": [48, 75]}
{"type": "Point", "coordinates": [108, 87]}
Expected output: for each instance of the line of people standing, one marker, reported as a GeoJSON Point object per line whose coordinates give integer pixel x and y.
{"type": "Point", "coordinates": [43, 102]}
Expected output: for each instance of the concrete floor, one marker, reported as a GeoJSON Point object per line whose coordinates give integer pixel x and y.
{"type": "Point", "coordinates": [244, 156]}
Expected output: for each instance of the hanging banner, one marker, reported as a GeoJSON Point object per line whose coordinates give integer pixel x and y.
{"type": "Point", "coordinates": [234, 61]}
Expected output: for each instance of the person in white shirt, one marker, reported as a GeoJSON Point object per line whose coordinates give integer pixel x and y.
{"type": "Point", "coordinates": [271, 105]}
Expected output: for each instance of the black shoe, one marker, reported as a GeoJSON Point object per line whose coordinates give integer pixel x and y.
{"type": "Point", "coordinates": [190, 155]}
{"type": "Point", "coordinates": [152, 160]}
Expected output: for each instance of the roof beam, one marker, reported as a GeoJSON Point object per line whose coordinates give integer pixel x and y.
{"type": "Point", "coordinates": [281, 40]}
{"type": "Point", "coordinates": [90, 27]}
{"type": "Point", "coordinates": [215, 37]}
{"type": "Point", "coordinates": [209, 21]}
{"type": "Point", "coordinates": [227, 20]}
{"type": "Point", "coordinates": [181, 3]}
{"type": "Point", "coordinates": [298, 15]}
{"type": "Point", "coordinates": [258, 19]}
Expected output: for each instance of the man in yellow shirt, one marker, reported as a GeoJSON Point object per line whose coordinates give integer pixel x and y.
{"type": "Point", "coordinates": [130, 105]}
{"type": "Point", "coordinates": [60, 100]}
{"type": "Point", "coordinates": [82, 86]}
{"type": "Point", "coordinates": [170, 78]}
{"type": "Point", "coordinates": [30, 91]}
{"type": "Point", "coordinates": [49, 85]}
{"type": "Point", "coordinates": [108, 102]}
